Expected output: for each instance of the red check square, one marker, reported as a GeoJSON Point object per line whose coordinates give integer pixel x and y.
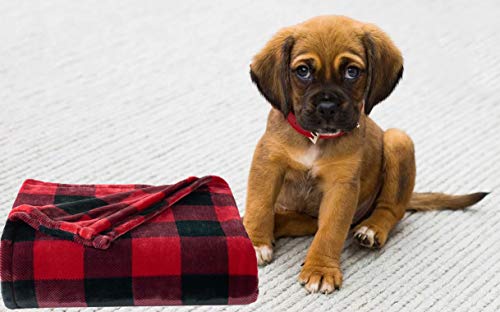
{"type": "Point", "coordinates": [239, 264]}
{"type": "Point", "coordinates": [163, 259]}
{"type": "Point", "coordinates": [226, 213]}
{"type": "Point", "coordinates": [106, 189]}
{"type": "Point", "coordinates": [57, 260]}
{"type": "Point", "coordinates": [37, 188]}
{"type": "Point", "coordinates": [165, 216]}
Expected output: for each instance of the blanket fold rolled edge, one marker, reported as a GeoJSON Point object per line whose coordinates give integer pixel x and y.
{"type": "Point", "coordinates": [100, 226]}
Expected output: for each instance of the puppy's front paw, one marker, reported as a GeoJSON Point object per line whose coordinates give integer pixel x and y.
{"type": "Point", "coordinates": [264, 254]}
{"type": "Point", "coordinates": [323, 279]}
{"type": "Point", "coordinates": [369, 236]}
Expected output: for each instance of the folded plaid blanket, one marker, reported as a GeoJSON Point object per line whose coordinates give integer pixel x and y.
{"type": "Point", "coordinates": [68, 245]}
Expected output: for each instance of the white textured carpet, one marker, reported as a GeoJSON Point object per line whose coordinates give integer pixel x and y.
{"type": "Point", "coordinates": [152, 92]}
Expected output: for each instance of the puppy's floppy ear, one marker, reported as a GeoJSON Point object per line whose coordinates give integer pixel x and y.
{"type": "Point", "coordinates": [384, 68]}
{"type": "Point", "coordinates": [270, 70]}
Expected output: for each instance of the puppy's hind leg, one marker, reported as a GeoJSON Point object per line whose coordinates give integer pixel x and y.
{"type": "Point", "coordinates": [396, 192]}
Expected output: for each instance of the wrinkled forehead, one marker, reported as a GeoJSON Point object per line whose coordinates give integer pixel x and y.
{"type": "Point", "coordinates": [328, 48]}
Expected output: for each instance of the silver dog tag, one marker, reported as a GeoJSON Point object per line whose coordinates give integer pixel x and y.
{"type": "Point", "coordinates": [315, 137]}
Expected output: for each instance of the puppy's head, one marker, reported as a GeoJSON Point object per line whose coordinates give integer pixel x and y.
{"type": "Point", "coordinates": [327, 71]}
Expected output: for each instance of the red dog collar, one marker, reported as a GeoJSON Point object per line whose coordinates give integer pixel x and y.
{"type": "Point", "coordinates": [313, 136]}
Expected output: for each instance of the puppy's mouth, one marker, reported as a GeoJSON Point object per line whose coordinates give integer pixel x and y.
{"type": "Point", "coordinates": [329, 131]}
{"type": "Point", "coordinates": [324, 128]}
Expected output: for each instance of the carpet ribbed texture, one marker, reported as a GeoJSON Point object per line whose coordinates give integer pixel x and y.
{"type": "Point", "coordinates": [152, 92]}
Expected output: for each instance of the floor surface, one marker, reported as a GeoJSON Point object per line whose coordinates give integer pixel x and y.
{"type": "Point", "coordinates": [155, 91]}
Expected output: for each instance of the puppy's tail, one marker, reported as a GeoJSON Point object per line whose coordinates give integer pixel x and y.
{"type": "Point", "coordinates": [440, 201]}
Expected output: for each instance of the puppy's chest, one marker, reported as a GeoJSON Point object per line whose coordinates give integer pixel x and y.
{"type": "Point", "coordinates": [300, 190]}
{"type": "Point", "coordinates": [308, 160]}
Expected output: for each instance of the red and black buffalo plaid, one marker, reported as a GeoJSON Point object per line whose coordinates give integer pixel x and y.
{"type": "Point", "coordinates": [68, 245]}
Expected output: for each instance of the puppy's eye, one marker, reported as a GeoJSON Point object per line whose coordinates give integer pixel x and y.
{"type": "Point", "coordinates": [352, 72]}
{"type": "Point", "coordinates": [303, 72]}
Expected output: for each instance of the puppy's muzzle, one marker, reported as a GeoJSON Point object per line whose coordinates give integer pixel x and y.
{"type": "Point", "coordinates": [327, 109]}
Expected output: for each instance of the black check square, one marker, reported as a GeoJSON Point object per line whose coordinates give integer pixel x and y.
{"type": "Point", "coordinates": [205, 289]}
{"type": "Point", "coordinates": [196, 199]}
{"type": "Point", "coordinates": [25, 294]}
{"type": "Point", "coordinates": [8, 295]}
{"type": "Point", "coordinates": [199, 228]}
{"type": "Point", "coordinates": [19, 231]}
{"type": "Point", "coordinates": [73, 204]}
{"type": "Point", "coordinates": [55, 232]}
{"type": "Point", "coordinates": [109, 292]}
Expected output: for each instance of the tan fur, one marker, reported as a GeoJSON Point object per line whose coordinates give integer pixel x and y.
{"type": "Point", "coordinates": [296, 188]}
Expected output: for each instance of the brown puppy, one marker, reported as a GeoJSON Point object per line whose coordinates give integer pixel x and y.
{"type": "Point", "coordinates": [323, 77]}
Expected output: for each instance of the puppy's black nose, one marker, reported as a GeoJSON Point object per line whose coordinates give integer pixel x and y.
{"type": "Point", "coordinates": [327, 108]}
